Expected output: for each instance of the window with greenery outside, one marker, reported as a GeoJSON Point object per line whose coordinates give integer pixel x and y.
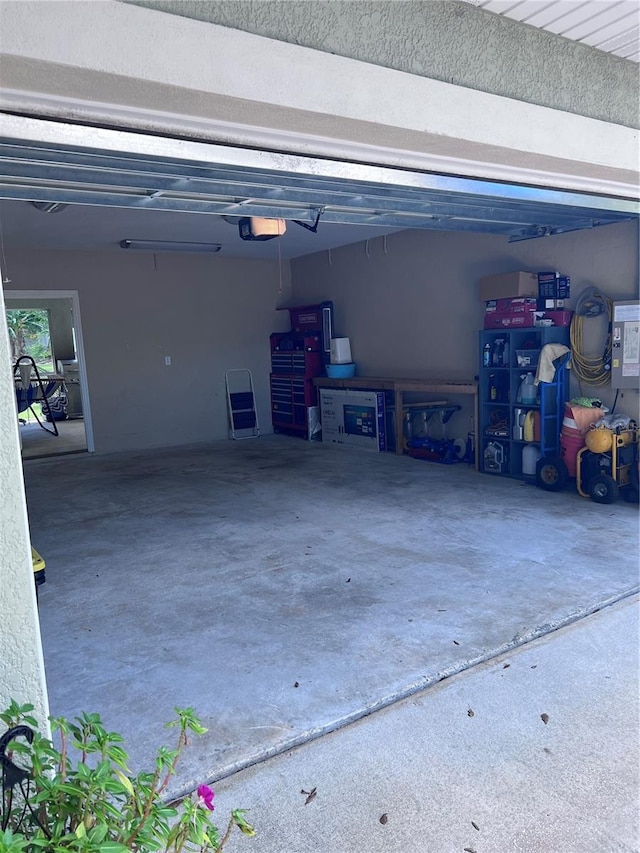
{"type": "Point", "coordinates": [29, 335]}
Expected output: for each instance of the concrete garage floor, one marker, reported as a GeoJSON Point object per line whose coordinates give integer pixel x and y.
{"type": "Point", "coordinates": [284, 588]}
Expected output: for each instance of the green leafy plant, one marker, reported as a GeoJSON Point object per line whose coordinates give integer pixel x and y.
{"type": "Point", "coordinates": [29, 335]}
{"type": "Point", "coordinates": [81, 796]}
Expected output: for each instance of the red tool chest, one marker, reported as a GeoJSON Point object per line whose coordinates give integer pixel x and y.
{"type": "Point", "coordinates": [295, 359]}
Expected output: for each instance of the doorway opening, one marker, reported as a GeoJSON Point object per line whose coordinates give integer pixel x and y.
{"type": "Point", "coordinates": [30, 335]}
{"type": "Point", "coordinates": [46, 326]}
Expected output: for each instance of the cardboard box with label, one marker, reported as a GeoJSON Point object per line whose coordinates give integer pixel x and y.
{"type": "Point", "coordinates": [551, 304]}
{"type": "Point", "coordinates": [515, 305]}
{"type": "Point", "coordinates": [526, 319]}
{"type": "Point", "coordinates": [508, 320]}
{"type": "Point", "coordinates": [553, 318]}
{"type": "Point", "coordinates": [552, 285]}
{"type": "Point", "coordinates": [508, 285]}
{"type": "Point", "coordinates": [355, 418]}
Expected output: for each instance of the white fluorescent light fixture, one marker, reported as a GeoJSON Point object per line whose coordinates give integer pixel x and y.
{"type": "Point", "coordinates": [169, 246]}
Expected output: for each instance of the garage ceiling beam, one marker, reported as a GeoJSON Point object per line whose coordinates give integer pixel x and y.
{"type": "Point", "coordinates": [245, 188]}
{"type": "Point", "coordinates": [115, 168]}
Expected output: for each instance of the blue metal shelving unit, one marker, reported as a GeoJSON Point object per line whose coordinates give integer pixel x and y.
{"type": "Point", "coordinates": [499, 404]}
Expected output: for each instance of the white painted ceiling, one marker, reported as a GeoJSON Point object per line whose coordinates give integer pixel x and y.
{"type": "Point", "coordinates": [98, 228]}
{"type": "Point", "coordinates": [609, 25]}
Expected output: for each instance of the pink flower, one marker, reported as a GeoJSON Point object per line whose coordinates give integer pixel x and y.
{"type": "Point", "coordinates": [205, 797]}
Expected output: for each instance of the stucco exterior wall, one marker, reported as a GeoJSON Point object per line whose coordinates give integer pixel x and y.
{"type": "Point", "coordinates": [117, 64]}
{"type": "Point", "coordinates": [445, 40]}
{"type": "Point", "coordinates": [21, 661]}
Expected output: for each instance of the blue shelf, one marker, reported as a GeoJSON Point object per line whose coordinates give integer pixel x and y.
{"type": "Point", "coordinates": [506, 379]}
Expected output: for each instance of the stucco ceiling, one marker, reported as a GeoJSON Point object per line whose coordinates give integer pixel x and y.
{"type": "Point", "coordinates": [609, 25]}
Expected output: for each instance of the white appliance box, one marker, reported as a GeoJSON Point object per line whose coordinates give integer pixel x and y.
{"type": "Point", "coordinates": [353, 418]}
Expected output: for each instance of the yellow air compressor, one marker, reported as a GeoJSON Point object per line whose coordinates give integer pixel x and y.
{"type": "Point", "coordinates": [608, 465]}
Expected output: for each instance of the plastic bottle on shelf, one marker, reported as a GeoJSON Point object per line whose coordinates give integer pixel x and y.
{"type": "Point", "coordinates": [486, 355]}
{"type": "Point", "coordinates": [532, 426]}
{"type": "Point", "coordinates": [530, 456]}
{"type": "Point", "coordinates": [527, 393]}
{"type": "Point", "coordinates": [505, 354]}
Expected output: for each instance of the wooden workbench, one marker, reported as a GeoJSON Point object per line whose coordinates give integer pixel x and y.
{"type": "Point", "coordinates": [402, 386]}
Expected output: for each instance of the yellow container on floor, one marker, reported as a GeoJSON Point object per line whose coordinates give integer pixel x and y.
{"type": "Point", "coordinates": [38, 567]}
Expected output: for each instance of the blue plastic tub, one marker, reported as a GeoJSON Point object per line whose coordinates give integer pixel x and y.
{"type": "Point", "coordinates": [341, 371]}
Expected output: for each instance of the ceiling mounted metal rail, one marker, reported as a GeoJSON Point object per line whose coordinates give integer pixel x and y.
{"type": "Point", "coordinates": [161, 180]}
{"type": "Point", "coordinates": [91, 166]}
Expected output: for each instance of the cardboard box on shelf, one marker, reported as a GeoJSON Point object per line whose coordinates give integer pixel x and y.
{"type": "Point", "coordinates": [551, 304]}
{"type": "Point", "coordinates": [507, 320]}
{"type": "Point", "coordinates": [552, 285]}
{"type": "Point", "coordinates": [508, 285]}
{"type": "Point", "coordinates": [553, 318]}
{"type": "Point", "coordinates": [515, 305]}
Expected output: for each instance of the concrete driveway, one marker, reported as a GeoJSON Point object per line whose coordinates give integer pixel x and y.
{"type": "Point", "coordinates": [470, 764]}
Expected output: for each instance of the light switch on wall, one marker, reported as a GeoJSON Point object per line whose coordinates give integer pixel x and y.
{"type": "Point", "coordinates": [167, 360]}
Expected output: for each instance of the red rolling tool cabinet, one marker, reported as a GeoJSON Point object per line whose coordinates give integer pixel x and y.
{"type": "Point", "coordinates": [296, 358]}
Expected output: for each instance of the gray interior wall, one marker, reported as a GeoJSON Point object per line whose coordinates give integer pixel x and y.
{"type": "Point", "coordinates": [413, 311]}
{"type": "Point", "coordinates": [208, 314]}
{"type": "Point", "coordinates": [446, 40]}
{"type": "Point", "coordinates": [408, 303]}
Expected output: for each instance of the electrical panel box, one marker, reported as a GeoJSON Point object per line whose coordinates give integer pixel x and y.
{"type": "Point", "coordinates": [625, 345]}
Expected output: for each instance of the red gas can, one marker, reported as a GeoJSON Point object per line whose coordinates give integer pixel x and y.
{"type": "Point", "coordinates": [570, 444]}
{"type": "Point", "coordinates": [577, 420]}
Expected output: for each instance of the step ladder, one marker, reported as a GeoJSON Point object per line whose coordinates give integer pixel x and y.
{"type": "Point", "coordinates": [243, 417]}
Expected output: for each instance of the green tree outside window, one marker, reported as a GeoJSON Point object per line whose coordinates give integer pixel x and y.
{"type": "Point", "coordinates": [29, 335]}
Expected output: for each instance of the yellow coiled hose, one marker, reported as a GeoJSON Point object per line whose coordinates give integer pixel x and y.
{"type": "Point", "coordinates": [594, 370]}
